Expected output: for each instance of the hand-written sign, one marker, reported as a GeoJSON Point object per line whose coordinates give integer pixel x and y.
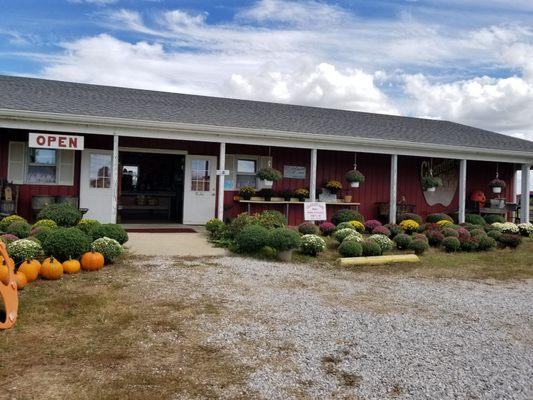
{"type": "Point", "coordinates": [55, 141]}
{"type": "Point", "coordinates": [315, 211]}
{"type": "Point", "coordinates": [448, 171]}
{"type": "Point", "coordinates": [293, 172]}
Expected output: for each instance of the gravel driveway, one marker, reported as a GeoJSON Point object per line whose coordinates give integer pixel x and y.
{"type": "Point", "coordinates": [320, 332]}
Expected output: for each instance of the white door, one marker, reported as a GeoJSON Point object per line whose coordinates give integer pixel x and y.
{"type": "Point", "coordinates": [199, 192]}
{"type": "Point", "coordinates": [96, 186]}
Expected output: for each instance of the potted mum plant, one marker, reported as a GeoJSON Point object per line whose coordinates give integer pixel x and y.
{"type": "Point", "coordinates": [333, 186]}
{"type": "Point", "coordinates": [301, 194]}
{"type": "Point", "coordinates": [269, 175]}
{"type": "Point", "coordinates": [266, 194]}
{"type": "Point", "coordinates": [497, 185]}
{"type": "Point", "coordinates": [287, 195]}
{"type": "Point", "coordinates": [430, 183]}
{"type": "Point", "coordinates": [354, 177]}
{"type": "Point", "coordinates": [246, 192]}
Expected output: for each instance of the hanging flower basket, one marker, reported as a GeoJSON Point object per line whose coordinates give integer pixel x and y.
{"type": "Point", "coordinates": [431, 183]}
{"type": "Point", "coordinates": [497, 185]}
{"type": "Point", "coordinates": [269, 175]}
{"type": "Point", "coordinates": [354, 177]}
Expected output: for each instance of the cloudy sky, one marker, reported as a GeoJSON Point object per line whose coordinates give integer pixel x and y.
{"type": "Point", "coordinates": [463, 60]}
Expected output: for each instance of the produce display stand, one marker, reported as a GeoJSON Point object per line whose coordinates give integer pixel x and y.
{"type": "Point", "coordinates": [8, 292]}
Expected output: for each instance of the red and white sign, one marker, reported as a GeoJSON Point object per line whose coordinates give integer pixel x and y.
{"type": "Point", "coordinates": [55, 141]}
{"type": "Point", "coordinates": [315, 211]}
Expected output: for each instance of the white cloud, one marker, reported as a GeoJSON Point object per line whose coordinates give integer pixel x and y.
{"type": "Point", "coordinates": [96, 2]}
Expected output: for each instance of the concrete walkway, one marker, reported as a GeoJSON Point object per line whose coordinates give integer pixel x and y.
{"type": "Point", "coordinates": [172, 244]}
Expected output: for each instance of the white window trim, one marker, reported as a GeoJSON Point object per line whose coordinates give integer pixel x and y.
{"type": "Point", "coordinates": [233, 168]}
{"type": "Point", "coordinates": [26, 165]}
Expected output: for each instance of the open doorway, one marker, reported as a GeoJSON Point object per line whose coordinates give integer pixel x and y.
{"type": "Point", "coordinates": [150, 187]}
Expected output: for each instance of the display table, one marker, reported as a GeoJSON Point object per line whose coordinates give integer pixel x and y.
{"type": "Point", "coordinates": [289, 203]}
{"type": "Point", "coordinates": [164, 202]}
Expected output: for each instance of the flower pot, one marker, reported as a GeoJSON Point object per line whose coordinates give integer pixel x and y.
{"type": "Point", "coordinates": [267, 184]}
{"type": "Point", "coordinates": [354, 184]}
{"type": "Point", "coordinates": [287, 199]}
{"type": "Point", "coordinates": [496, 189]}
{"type": "Point", "coordinates": [245, 197]}
{"type": "Point", "coordinates": [431, 189]}
{"type": "Point", "coordinates": [301, 198]}
{"type": "Point", "coordinates": [268, 198]}
{"type": "Point", "coordinates": [347, 199]}
{"type": "Point", "coordinates": [285, 255]}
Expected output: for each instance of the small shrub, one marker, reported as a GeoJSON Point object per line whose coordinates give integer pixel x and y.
{"type": "Point", "coordinates": [113, 231]}
{"type": "Point", "coordinates": [468, 243]}
{"type": "Point", "coordinates": [474, 219]}
{"type": "Point", "coordinates": [371, 248]}
{"type": "Point", "coordinates": [381, 230]}
{"type": "Point", "coordinates": [350, 248]}
{"type": "Point", "coordinates": [492, 218]}
{"type": "Point", "coordinates": [434, 218]}
{"type": "Point", "coordinates": [40, 232]}
{"type": "Point", "coordinates": [444, 223]}
{"type": "Point", "coordinates": [477, 233]}
{"type": "Point", "coordinates": [495, 234]}
{"type": "Point", "coordinates": [272, 219]}
{"type": "Point", "coordinates": [251, 238]}
{"type": "Point", "coordinates": [383, 242]}
{"type": "Point", "coordinates": [326, 228]}
{"type": "Point", "coordinates": [63, 214]}
{"type": "Point", "coordinates": [346, 215]}
{"type": "Point", "coordinates": [312, 244]}
{"type": "Point", "coordinates": [240, 222]}
{"type": "Point", "coordinates": [470, 226]}
{"type": "Point", "coordinates": [420, 236]}
{"type": "Point", "coordinates": [8, 238]}
{"type": "Point", "coordinates": [344, 225]}
{"type": "Point", "coordinates": [413, 216]}
{"type": "Point", "coordinates": [6, 221]}
{"type": "Point", "coordinates": [525, 229]}
{"type": "Point", "coordinates": [88, 225]}
{"type": "Point", "coordinates": [359, 227]}
{"type": "Point", "coordinates": [20, 229]}
{"type": "Point", "coordinates": [409, 225]}
{"type": "Point", "coordinates": [45, 222]}
{"type": "Point", "coordinates": [342, 234]}
{"type": "Point", "coordinates": [419, 246]}
{"type": "Point", "coordinates": [283, 239]}
{"type": "Point", "coordinates": [506, 227]}
{"type": "Point", "coordinates": [394, 229]}
{"type": "Point", "coordinates": [451, 244]}
{"type": "Point", "coordinates": [403, 241]}
{"type": "Point", "coordinates": [110, 248]}
{"type": "Point", "coordinates": [486, 243]}
{"type": "Point", "coordinates": [371, 224]}
{"type": "Point", "coordinates": [216, 228]}
{"type": "Point", "coordinates": [308, 228]}
{"type": "Point", "coordinates": [510, 240]}
{"type": "Point", "coordinates": [435, 238]}
{"type": "Point", "coordinates": [65, 243]}
{"type": "Point", "coordinates": [23, 249]}
{"type": "Point", "coordinates": [463, 233]}
{"type": "Point", "coordinates": [268, 252]}
{"type": "Point", "coordinates": [450, 232]}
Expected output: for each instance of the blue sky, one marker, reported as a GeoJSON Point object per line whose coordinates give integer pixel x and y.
{"type": "Point", "coordinates": [462, 60]}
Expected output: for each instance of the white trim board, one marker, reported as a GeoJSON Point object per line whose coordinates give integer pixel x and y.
{"type": "Point", "coordinates": [21, 119]}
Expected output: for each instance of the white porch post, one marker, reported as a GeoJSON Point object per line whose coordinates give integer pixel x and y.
{"type": "Point", "coordinates": [515, 186]}
{"type": "Point", "coordinates": [312, 175]}
{"type": "Point", "coordinates": [462, 191]}
{"type": "Point", "coordinates": [114, 203]}
{"type": "Point", "coordinates": [221, 168]}
{"type": "Point", "coordinates": [524, 195]}
{"type": "Point", "coordinates": [393, 188]}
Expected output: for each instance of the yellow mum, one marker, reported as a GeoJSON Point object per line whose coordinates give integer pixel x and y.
{"type": "Point", "coordinates": [409, 225]}
{"type": "Point", "coordinates": [359, 227]}
{"type": "Point", "coordinates": [444, 222]}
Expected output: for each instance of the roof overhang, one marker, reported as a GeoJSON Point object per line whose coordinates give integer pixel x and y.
{"type": "Point", "coordinates": [34, 120]}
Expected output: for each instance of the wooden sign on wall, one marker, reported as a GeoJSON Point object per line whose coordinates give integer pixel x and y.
{"type": "Point", "coordinates": [448, 171]}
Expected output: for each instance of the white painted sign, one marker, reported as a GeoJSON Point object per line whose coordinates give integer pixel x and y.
{"type": "Point", "coordinates": [293, 172]}
{"type": "Point", "coordinates": [222, 172]}
{"type": "Point", "coordinates": [315, 211]}
{"type": "Point", "coordinates": [448, 171]}
{"type": "Point", "coordinates": [55, 141]}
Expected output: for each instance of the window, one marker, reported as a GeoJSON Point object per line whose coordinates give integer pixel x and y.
{"type": "Point", "coordinates": [42, 166]}
{"type": "Point", "coordinates": [100, 171]}
{"type": "Point", "coordinates": [246, 170]}
{"type": "Point", "coordinates": [200, 176]}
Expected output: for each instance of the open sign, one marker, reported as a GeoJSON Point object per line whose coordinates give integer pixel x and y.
{"type": "Point", "coordinates": [55, 141]}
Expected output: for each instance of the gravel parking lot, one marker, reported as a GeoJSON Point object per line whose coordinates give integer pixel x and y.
{"type": "Point", "coordinates": [321, 332]}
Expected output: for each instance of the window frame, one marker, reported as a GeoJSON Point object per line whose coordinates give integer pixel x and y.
{"type": "Point", "coordinates": [29, 164]}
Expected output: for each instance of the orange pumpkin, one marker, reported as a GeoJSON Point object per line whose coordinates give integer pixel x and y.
{"type": "Point", "coordinates": [71, 266]}
{"type": "Point", "coordinates": [31, 269]}
{"type": "Point", "coordinates": [4, 273]}
{"type": "Point", "coordinates": [51, 269]}
{"type": "Point", "coordinates": [92, 261]}
{"type": "Point", "coordinates": [20, 280]}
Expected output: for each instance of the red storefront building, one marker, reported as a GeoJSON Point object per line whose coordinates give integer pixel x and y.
{"type": "Point", "coordinates": [132, 155]}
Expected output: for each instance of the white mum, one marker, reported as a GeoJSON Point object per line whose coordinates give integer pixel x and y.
{"type": "Point", "coordinates": [525, 229]}
{"type": "Point", "coordinates": [506, 227]}
{"type": "Point", "coordinates": [343, 233]}
{"type": "Point", "coordinates": [312, 244]}
{"type": "Point", "coordinates": [383, 242]}
{"type": "Point", "coordinates": [23, 249]}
